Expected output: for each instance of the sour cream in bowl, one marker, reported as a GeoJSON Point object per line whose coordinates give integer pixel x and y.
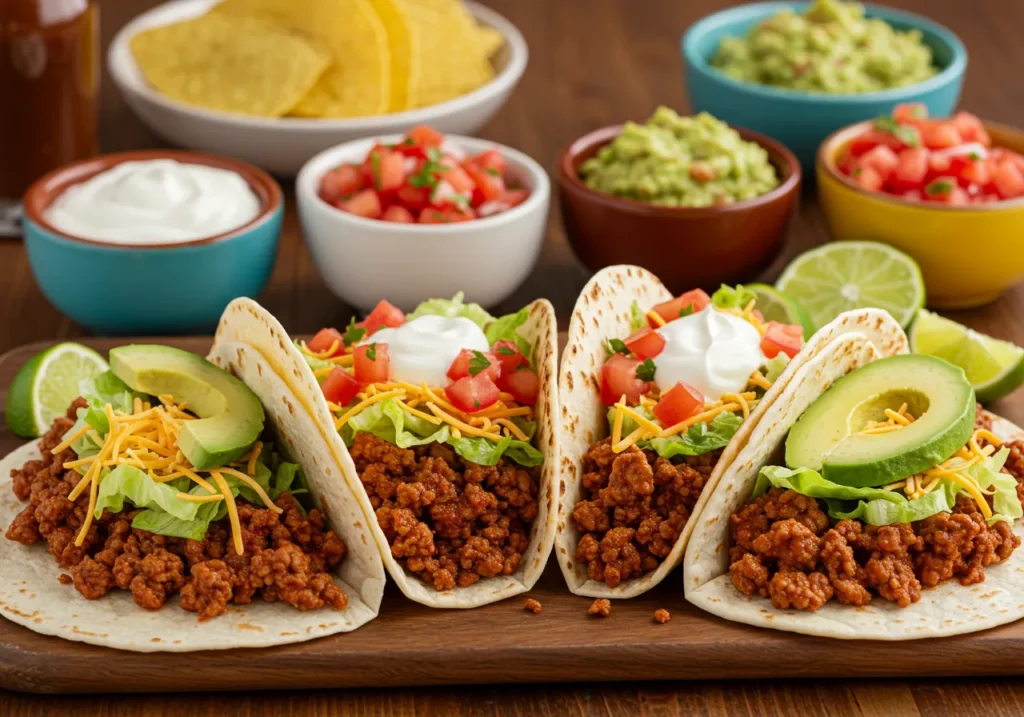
{"type": "Point", "coordinates": [152, 242]}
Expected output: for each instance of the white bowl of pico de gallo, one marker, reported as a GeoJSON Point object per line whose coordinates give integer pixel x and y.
{"type": "Point", "coordinates": [419, 215]}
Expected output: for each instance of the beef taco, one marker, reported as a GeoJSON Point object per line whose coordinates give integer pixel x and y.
{"type": "Point", "coordinates": [441, 421]}
{"type": "Point", "coordinates": [874, 500]}
{"type": "Point", "coordinates": [658, 395]}
{"type": "Point", "coordinates": [172, 480]}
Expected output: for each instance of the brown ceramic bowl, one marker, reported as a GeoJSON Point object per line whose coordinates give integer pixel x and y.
{"type": "Point", "coordinates": [686, 247]}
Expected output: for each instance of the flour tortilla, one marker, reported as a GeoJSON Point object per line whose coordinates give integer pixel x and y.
{"type": "Point", "coordinates": [30, 594]}
{"type": "Point", "coordinates": [246, 321]}
{"type": "Point", "coordinates": [603, 310]}
{"type": "Point", "coordinates": [947, 609]}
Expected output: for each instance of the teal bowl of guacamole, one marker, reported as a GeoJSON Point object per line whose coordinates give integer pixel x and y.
{"type": "Point", "coordinates": [799, 71]}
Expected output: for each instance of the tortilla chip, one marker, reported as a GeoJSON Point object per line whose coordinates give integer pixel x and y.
{"type": "Point", "coordinates": [402, 43]}
{"type": "Point", "coordinates": [241, 65]}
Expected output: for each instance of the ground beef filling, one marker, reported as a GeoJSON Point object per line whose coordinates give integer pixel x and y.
{"type": "Point", "coordinates": [286, 556]}
{"type": "Point", "coordinates": [786, 548]}
{"type": "Point", "coordinates": [634, 507]}
{"type": "Point", "coordinates": [448, 521]}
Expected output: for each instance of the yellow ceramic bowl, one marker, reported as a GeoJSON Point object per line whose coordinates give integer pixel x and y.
{"type": "Point", "coordinates": [969, 255]}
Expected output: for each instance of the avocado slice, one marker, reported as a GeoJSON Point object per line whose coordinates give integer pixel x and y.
{"type": "Point", "coordinates": [230, 415]}
{"type": "Point", "coordinates": [826, 437]}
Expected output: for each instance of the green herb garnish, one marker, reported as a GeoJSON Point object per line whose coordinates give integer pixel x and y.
{"type": "Point", "coordinates": [371, 351]}
{"type": "Point", "coordinates": [938, 187]}
{"type": "Point", "coordinates": [354, 333]}
{"type": "Point", "coordinates": [506, 351]}
{"type": "Point", "coordinates": [616, 346]}
{"type": "Point", "coordinates": [906, 134]}
{"type": "Point", "coordinates": [478, 363]}
{"type": "Point", "coordinates": [686, 310]}
{"type": "Point", "coordinates": [645, 371]}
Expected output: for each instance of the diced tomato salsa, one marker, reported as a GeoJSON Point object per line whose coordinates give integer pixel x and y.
{"type": "Point", "coordinates": [948, 161]}
{"type": "Point", "coordinates": [418, 181]}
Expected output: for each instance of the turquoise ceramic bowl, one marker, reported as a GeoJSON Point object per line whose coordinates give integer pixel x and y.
{"type": "Point", "coordinates": [802, 120]}
{"type": "Point", "coordinates": [150, 289]}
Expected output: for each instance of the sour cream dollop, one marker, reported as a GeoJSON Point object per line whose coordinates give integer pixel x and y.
{"type": "Point", "coordinates": [713, 351]}
{"type": "Point", "coordinates": [156, 201]}
{"type": "Point", "coordinates": [423, 349]}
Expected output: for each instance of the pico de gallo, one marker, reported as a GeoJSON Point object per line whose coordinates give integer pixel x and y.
{"type": "Point", "coordinates": [423, 180]}
{"type": "Point", "coordinates": [948, 161]}
{"type": "Point", "coordinates": [677, 389]}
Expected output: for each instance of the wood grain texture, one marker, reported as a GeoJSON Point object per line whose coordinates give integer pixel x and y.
{"type": "Point", "coordinates": [593, 62]}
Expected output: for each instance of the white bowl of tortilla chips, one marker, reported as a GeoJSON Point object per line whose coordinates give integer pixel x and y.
{"type": "Point", "coordinates": [419, 83]}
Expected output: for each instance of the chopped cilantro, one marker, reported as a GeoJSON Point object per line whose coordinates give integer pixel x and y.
{"type": "Point", "coordinates": [616, 346]}
{"type": "Point", "coordinates": [476, 404]}
{"type": "Point", "coordinates": [478, 363]}
{"type": "Point", "coordinates": [371, 352]}
{"type": "Point", "coordinates": [409, 142]}
{"type": "Point", "coordinates": [645, 371]}
{"type": "Point", "coordinates": [938, 187]}
{"type": "Point", "coordinates": [433, 154]}
{"type": "Point", "coordinates": [492, 170]}
{"type": "Point", "coordinates": [686, 310]}
{"type": "Point", "coordinates": [906, 134]}
{"type": "Point", "coordinates": [506, 351]}
{"type": "Point", "coordinates": [975, 156]}
{"type": "Point", "coordinates": [354, 333]}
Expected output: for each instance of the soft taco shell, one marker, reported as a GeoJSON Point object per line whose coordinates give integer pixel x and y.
{"type": "Point", "coordinates": [30, 594]}
{"type": "Point", "coordinates": [245, 320]}
{"type": "Point", "coordinates": [947, 609]}
{"type": "Point", "coordinates": [604, 310]}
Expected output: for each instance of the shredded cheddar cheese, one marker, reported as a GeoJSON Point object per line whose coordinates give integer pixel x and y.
{"type": "Point", "coordinates": [656, 318]}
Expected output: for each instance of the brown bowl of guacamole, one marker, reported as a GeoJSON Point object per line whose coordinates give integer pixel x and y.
{"type": "Point", "coordinates": [691, 198]}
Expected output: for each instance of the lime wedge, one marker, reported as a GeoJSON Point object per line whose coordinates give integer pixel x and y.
{"type": "Point", "coordinates": [994, 367]}
{"type": "Point", "coordinates": [848, 275]}
{"type": "Point", "coordinates": [46, 385]}
{"type": "Point", "coordinates": [775, 306]}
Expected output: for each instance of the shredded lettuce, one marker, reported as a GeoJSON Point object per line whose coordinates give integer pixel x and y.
{"type": "Point", "coordinates": [387, 421]}
{"type": "Point", "coordinates": [700, 439]}
{"type": "Point", "coordinates": [127, 483]}
{"type": "Point", "coordinates": [875, 506]}
{"type": "Point", "coordinates": [775, 366]}
{"type": "Point", "coordinates": [728, 297]}
{"type": "Point", "coordinates": [637, 317]}
{"type": "Point", "coordinates": [450, 308]}
{"type": "Point", "coordinates": [195, 528]}
{"type": "Point", "coordinates": [314, 363]}
{"type": "Point", "coordinates": [102, 389]}
{"type": "Point", "coordinates": [504, 328]}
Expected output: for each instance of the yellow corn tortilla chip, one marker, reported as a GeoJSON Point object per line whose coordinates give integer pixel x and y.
{"type": "Point", "coordinates": [403, 44]}
{"type": "Point", "coordinates": [239, 65]}
{"type": "Point", "coordinates": [450, 54]}
{"type": "Point", "coordinates": [358, 82]}
{"type": "Point", "coordinates": [489, 40]}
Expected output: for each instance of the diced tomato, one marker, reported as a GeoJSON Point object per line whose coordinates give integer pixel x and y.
{"type": "Point", "coordinates": [524, 385]}
{"type": "Point", "coordinates": [940, 135]}
{"type": "Point", "coordinates": [911, 113]}
{"type": "Point", "coordinates": [364, 204]}
{"type": "Point", "coordinates": [645, 343]}
{"type": "Point", "coordinates": [491, 159]}
{"type": "Point", "coordinates": [785, 338]}
{"type": "Point", "coordinates": [467, 361]}
{"type": "Point", "coordinates": [340, 386]}
{"type": "Point", "coordinates": [413, 198]}
{"type": "Point", "coordinates": [340, 182]}
{"type": "Point", "coordinates": [911, 169]}
{"type": "Point", "coordinates": [868, 178]}
{"type": "Point", "coordinates": [941, 189]}
{"type": "Point", "coordinates": [384, 314]}
{"type": "Point", "coordinates": [1008, 180]}
{"type": "Point", "coordinates": [509, 356]}
{"type": "Point", "coordinates": [425, 136]}
{"type": "Point", "coordinates": [695, 299]}
{"type": "Point", "coordinates": [457, 177]}
{"type": "Point", "coordinates": [398, 214]}
{"type": "Point", "coordinates": [324, 339]}
{"type": "Point", "coordinates": [845, 161]}
{"type": "Point", "coordinates": [998, 154]}
{"type": "Point", "coordinates": [489, 184]}
{"type": "Point", "coordinates": [618, 379]}
{"type": "Point", "coordinates": [383, 169]}
{"type": "Point", "coordinates": [971, 128]}
{"type": "Point", "coordinates": [977, 172]}
{"type": "Point", "coordinates": [472, 393]}
{"type": "Point", "coordinates": [678, 403]}
{"type": "Point", "coordinates": [447, 215]}
{"type": "Point", "coordinates": [371, 363]}
{"type": "Point", "coordinates": [881, 159]}
{"type": "Point", "coordinates": [870, 139]}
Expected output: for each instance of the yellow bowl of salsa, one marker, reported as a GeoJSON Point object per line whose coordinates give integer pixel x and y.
{"type": "Point", "coordinates": [969, 255]}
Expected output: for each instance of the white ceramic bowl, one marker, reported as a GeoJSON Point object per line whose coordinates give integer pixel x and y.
{"type": "Point", "coordinates": [366, 260]}
{"type": "Point", "coordinates": [282, 145]}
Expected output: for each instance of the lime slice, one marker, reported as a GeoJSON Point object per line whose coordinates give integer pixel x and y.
{"type": "Point", "coordinates": [46, 385]}
{"type": "Point", "coordinates": [775, 306]}
{"type": "Point", "coordinates": [994, 367]}
{"type": "Point", "coordinates": [848, 275]}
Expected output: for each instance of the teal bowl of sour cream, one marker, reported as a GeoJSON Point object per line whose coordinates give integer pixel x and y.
{"type": "Point", "coordinates": [152, 242]}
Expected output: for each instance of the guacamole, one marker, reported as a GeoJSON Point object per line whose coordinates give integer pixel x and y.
{"type": "Point", "coordinates": [682, 162]}
{"type": "Point", "coordinates": [831, 48]}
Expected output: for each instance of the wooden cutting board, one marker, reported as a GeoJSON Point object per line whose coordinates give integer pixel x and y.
{"type": "Point", "coordinates": [409, 644]}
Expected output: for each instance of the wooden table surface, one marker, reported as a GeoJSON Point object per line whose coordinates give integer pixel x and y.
{"type": "Point", "coordinates": [593, 62]}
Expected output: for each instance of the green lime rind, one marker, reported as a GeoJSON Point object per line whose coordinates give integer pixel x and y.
{"type": "Point", "coordinates": [46, 385]}
{"type": "Point", "coordinates": [995, 368]}
{"type": "Point", "coordinates": [776, 306]}
{"type": "Point", "coordinates": [846, 275]}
